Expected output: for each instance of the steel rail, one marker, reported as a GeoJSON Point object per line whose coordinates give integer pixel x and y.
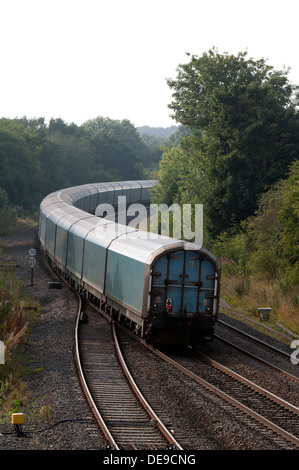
{"type": "Point", "coordinates": [166, 433]}
{"type": "Point", "coordinates": [262, 361]}
{"type": "Point", "coordinates": [252, 338]}
{"type": "Point", "coordinates": [85, 388]}
{"type": "Point", "coordinates": [294, 409]}
{"type": "Point", "coordinates": [261, 419]}
{"type": "Point", "coordinates": [145, 406]}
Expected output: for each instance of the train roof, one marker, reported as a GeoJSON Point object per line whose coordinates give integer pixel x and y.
{"type": "Point", "coordinates": [65, 208]}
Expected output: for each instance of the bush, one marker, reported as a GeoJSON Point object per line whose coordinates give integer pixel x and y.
{"type": "Point", "coordinates": [16, 318]}
{"type": "Point", "coordinates": [266, 263]}
{"type": "Point", "coordinates": [232, 252]}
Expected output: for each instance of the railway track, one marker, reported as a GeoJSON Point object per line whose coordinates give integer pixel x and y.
{"type": "Point", "coordinates": [127, 424]}
{"type": "Point", "coordinates": [253, 339]}
{"type": "Point", "coordinates": [257, 358]}
{"type": "Point", "coordinates": [262, 410]}
{"type": "Point", "coordinates": [277, 417]}
{"type": "Point", "coordinates": [124, 416]}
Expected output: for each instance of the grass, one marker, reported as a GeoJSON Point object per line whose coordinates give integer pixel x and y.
{"type": "Point", "coordinates": [248, 294]}
{"type": "Point", "coordinates": [18, 312]}
{"type": "Point", "coordinates": [14, 220]}
{"type": "Point", "coordinates": [17, 315]}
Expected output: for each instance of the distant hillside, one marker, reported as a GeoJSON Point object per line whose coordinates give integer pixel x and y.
{"type": "Point", "coordinates": [161, 132]}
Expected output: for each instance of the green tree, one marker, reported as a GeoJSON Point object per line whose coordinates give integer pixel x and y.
{"type": "Point", "coordinates": [170, 175]}
{"type": "Point", "coordinates": [128, 150]}
{"type": "Point", "coordinates": [20, 172]}
{"type": "Point", "coordinates": [289, 214]}
{"type": "Point", "coordinates": [4, 200]}
{"type": "Point", "coordinates": [267, 243]}
{"type": "Point", "coordinates": [245, 131]}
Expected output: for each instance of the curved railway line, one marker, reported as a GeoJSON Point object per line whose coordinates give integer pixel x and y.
{"type": "Point", "coordinates": [262, 345]}
{"type": "Point", "coordinates": [253, 339]}
{"type": "Point", "coordinates": [128, 420]}
{"type": "Point", "coordinates": [279, 419]}
{"type": "Point", "coordinates": [71, 240]}
{"type": "Point", "coordinates": [125, 417]}
{"type": "Point", "coordinates": [262, 405]}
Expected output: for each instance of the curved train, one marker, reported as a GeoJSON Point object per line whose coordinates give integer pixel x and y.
{"type": "Point", "coordinates": [166, 289]}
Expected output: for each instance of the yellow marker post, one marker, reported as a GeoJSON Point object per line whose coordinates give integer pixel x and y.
{"type": "Point", "coordinates": [17, 420]}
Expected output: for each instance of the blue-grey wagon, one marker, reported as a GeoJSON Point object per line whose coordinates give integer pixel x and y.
{"type": "Point", "coordinates": [166, 289]}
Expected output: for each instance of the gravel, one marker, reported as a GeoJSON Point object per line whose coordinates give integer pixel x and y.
{"type": "Point", "coordinates": [55, 393]}
{"type": "Point", "coordinates": [199, 419]}
{"type": "Point", "coordinates": [52, 383]}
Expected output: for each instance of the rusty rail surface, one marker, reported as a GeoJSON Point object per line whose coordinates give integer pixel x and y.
{"type": "Point", "coordinates": [235, 402]}
{"type": "Point", "coordinates": [125, 417]}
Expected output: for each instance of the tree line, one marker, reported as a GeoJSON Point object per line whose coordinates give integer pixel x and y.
{"type": "Point", "coordinates": [37, 158]}
{"type": "Point", "coordinates": [239, 159]}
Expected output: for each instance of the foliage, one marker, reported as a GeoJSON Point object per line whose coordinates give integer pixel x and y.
{"type": "Point", "coordinates": [232, 250]}
{"type": "Point", "coordinates": [274, 230]}
{"type": "Point", "coordinates": [157, 137]}
{"type": "Point", "coordinates": [289, 214]}
{"type": "Point", "coordinates": [267, 243]}
{"type": "Point", "coordinates": [244, 135]}
{"type": "Point", "coordinates": [248, 294]}
{"type": "Point", "coordinates": [171, 174]}
{"type": "Point", "coordinates": [121, 144]}
{"type": "Point", "coordinates": [20, 172]}
{"type": "Point", "coordinates": [260, 259]}
{"type": "Point", "coordinates": [4, 199]}
{"type": "Point", "coordinates": [38, 158]}
{"type": "Point", "coordinates": [17, 315]}
{"type": "Point", "coordinates": [159, 132]}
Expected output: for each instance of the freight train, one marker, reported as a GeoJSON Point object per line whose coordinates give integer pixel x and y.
{"type": "Point", "coordinates": [166, 289]}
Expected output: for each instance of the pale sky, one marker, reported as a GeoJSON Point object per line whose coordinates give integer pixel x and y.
{"type": "Point", "coordinates": [79, 59]}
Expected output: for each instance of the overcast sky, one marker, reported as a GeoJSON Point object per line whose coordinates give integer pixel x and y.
{"type": "Point", "coordinates": [79, 59]}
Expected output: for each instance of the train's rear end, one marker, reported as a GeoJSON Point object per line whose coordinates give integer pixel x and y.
{"type": "Point", "coordinates": [184, 300]}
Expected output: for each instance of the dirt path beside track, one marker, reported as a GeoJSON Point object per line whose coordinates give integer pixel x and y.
{"type": "Point", "coordinates": [52, 383]}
